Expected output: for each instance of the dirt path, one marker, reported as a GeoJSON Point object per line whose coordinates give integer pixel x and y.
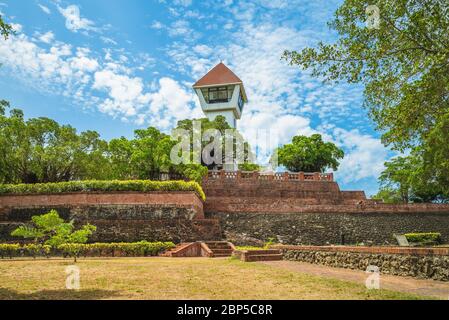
{"type": "Point", "coordinates": [433, 288]}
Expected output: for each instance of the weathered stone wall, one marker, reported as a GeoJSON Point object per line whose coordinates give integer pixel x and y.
{"type": "Point", "coordinates": [431, 263]}
{"type": "Point", "coordinates": [328, 228]}
{"type": "Point", "coordinates": [119, 216]}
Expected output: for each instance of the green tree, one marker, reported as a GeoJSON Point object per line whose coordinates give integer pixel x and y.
{"type": "Point", "coordinates": [410, 179]}
{"type": "Point", "coordinates": [397, 177]}
{"type": "Point", "coordinates": [388, 195]}
{"type": "Point", "coordinates": [309, 154]}
{"type": "Point", "coordinates": [41, 150]}
{"type": "Point", "coordinates": [5, 29]}
{"type": "Point", "coordinates": [404, 66]}
{"type": "Point", "coordinates": [51, 229]}
{"type": "Point", "coordinates": [219, 124]}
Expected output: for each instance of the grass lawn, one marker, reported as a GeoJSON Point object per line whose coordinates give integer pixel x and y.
{"type": "Point", "coordinates": [173, 278]}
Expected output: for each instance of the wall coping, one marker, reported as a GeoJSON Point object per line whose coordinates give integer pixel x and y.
{"type": "Point", "coordinates": [369, 250]}
{"type": "Point", "coordinates": [99, 192]}
{"type": "Point", "coordinates": [6, 195]}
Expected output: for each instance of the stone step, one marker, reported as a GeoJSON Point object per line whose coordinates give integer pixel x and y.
{"type": "Point", "coordinates": [264, 257]}
{"type": "Point", "coordinates": [220, 248]}
{"type": "Point", "coordinates": [216, 242]}
{"type": "Point", "coordinates": [215, 251]}
{"type": "Point", "coordinates": [221, 255]}
{"type": "Point", "coordinates": [169, 253]}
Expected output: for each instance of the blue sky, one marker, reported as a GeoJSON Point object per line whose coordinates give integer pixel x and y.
{"type": "Point", "coordinates": [115, 66]}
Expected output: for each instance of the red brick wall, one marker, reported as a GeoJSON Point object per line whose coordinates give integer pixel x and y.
{"type": "Point", "coordinates": [119, 216]}
{"type": "Point", "coordinates": [177, 199]}
{"type": "Point", "coordinates": [271, 196]}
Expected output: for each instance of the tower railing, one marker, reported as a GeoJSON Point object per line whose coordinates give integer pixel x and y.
{"type": "Point", "coordinates": [276, 176]}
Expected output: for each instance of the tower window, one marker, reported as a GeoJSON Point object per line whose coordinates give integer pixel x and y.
{"type": "Point", "coordinates": [218, 94]}
{"type": "Point", "coordinates": [241, 102]}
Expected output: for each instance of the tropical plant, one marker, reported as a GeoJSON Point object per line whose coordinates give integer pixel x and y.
{"type": "Point", "coordinates": [52, 230]}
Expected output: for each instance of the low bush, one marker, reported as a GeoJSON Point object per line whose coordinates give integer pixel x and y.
{"type": "Point", "coordinates": [74, 250]}
{"type": "Point", "coordinates": [428, 238]}
{"type": "Point", "coordinates": [9, 250]}
{"type": "Point", "coordinates": [133, 249]}
{"type": "Point", "coordinates": [28, 250]}
{"type": "Point", "coordinates": [103, 185]}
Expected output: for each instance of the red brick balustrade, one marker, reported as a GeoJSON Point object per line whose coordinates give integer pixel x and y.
{"type": "Point", "coordinates": [278, 176]}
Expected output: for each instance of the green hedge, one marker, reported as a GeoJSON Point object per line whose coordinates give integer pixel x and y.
{"type": "Point", "coordinates": [134, 249]}
{"type": "Point", "coordinates": [424, 238]}
{"type": "Point", "coordinates": [103, 185]}
{"type": "Point", "coordinates": [8, 250]}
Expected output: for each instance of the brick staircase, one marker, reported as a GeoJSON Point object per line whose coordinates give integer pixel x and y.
{"type": "Point", "coordinates": [220, 248]}
{"type": "Point", "coordinates": [211, 249]}
{"type": "Point", "coordinates": [258, 255]}
{"type": "Point", "coordinates": [179, 251]}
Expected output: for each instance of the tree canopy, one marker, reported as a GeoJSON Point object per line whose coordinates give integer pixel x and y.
{"type": "Point", "coordinates": [407, 179]}
{"type": "Point", "coordinates": [403, 63]}
{"type": "Point", "coordinates": [221, 127]}
{"type": "Point", "coordinates": [309, 154]}
{"type": "Point", "coordinates": [40, 150]}
{"type": "Point", "coordinates": [52, 230]}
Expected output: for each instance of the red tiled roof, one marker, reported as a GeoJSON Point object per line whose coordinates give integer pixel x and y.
{"type": "Point", "coordinates": [220, 74]}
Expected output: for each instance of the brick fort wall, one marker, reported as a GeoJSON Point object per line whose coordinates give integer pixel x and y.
{"type": "Point", "coordinates": [119, 216]}
{"type": "Point", "coordinates": [253, 209]}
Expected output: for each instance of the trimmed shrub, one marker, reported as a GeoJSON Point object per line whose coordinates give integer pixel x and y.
{"type": "Point", "coordinates": [9, 250]}
{"type": "Point", "coordinates": [133, 249]}
{"type": "Point", "coordinates": [103, 185]}
{"type": "Point", "coordinates": [34, 250]}
{"type": "Point", "coordinates": [27, 250]}
{"type": "Point", "coordinates": [424, 238]}
{"type": "Point", "coordinates": [74, 250]}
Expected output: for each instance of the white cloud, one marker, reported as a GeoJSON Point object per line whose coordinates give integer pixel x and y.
{"type": "Point", "coordinates": [47, 37]}
{"type": "Point", "coordinates": [44, 9]}
{"type": "Point", "coordinates": [16, 27]}
{"type": "Point", "coordinates": [179, 28]}
{"type": "Point", "coordinates": [125, 94]}
{"type": "Point", "coordinates": [73, 19]}
{"type": "Point", "coordinates": [82, 62]}
{"type": "Point", "coordinates": [364, 158]}
{"type": "Point", "coordinates": [184, 3]}
{"type": "Point", "coordinates": [172, 102]}
{"type": "Point", "coordinates": [157, 25]}
{"type": "Point", "coordinates": [202, 50]}
{"type": "Point", "coordinates": [108, 40]}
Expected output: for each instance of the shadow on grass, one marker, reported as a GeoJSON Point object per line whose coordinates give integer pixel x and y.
{"type": "Point", "coordinates": [63, 294]}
